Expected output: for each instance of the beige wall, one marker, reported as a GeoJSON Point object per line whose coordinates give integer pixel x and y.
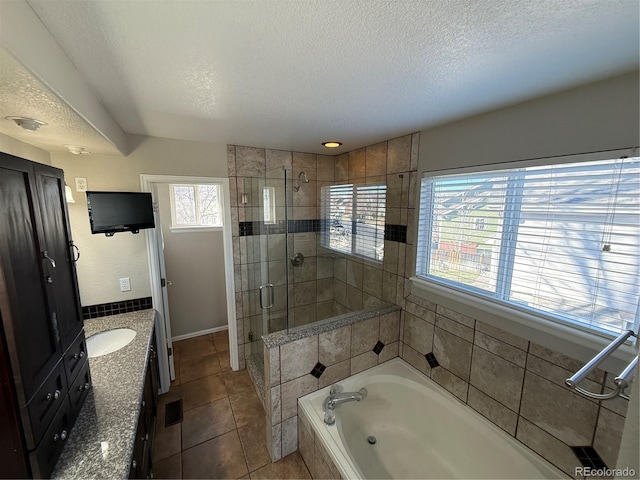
{"type": "Point", "coordinates": [195, 266]}
{"type": "Point", "coordinates": [599, 116]}
{"type": "Point", "coordinates": [23, 150]}
{"type": "Point", "coordinates": [104, 260]}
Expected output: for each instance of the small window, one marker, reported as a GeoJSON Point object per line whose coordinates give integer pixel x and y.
{"type": "Point", "coordinates": [353, 219]}
{"type": "Point", "coordinates": [196, 206]}
{"type": "Point", "coordinates": [561, 241]}
{"type": "Point", "coordinates": [269, 205]}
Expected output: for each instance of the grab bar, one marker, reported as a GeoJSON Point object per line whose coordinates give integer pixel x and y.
{"type": "Point", "coordinates": [621, 381]}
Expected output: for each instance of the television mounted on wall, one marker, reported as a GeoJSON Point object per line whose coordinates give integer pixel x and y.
{"type": "Point", "coordinates": [113, 212]}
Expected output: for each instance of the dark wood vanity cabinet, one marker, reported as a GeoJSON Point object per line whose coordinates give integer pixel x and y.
{"type": "Point", "coordinates": [43, 350]}
{"type": "Point", "coordinates": [141, 460]}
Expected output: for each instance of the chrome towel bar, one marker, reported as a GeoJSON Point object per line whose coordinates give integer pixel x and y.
{"type": "Point", "coordinates": [621, 381]}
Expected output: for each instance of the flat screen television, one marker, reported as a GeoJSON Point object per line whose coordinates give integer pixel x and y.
{"type": "Point", "coordinates": [112, 212]}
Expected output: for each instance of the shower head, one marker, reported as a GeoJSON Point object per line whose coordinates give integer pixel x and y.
{"type": "Point", "coordinates": [302, 178]}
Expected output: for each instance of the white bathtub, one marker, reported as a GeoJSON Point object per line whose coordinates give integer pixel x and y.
{"type": "Point", "coordinates": [421, 431]}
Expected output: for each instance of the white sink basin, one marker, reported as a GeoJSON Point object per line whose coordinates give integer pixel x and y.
{"type": "Point", "coordinates": [108, 342]}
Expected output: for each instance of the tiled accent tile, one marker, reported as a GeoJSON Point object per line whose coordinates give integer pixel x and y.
{"type": "Point", "coordinates": [432, 360]}
{"type": "Point", "coordinates": [378, 348]}
{"type": "Point", "coordinates": [115, 308]}
{"type": "Point", "coordinates": [589, 457]}
{"type": "Point", "coordinates": [318, 370]}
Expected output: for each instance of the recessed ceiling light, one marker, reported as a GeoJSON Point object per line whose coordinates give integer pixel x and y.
{"type": "Point", "coordinates": [29, 124]}
{"type": "Point", "coordinates": [332, 144]}
{"type": "Point", "coordinates": [77, 149]}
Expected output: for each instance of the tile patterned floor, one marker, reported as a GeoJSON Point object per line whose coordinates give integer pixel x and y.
{"type": "Point", "coordinates": [222, 434]}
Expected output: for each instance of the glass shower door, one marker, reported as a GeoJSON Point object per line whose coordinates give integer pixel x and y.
{"type": "Point", "coordinates": [270, 253]}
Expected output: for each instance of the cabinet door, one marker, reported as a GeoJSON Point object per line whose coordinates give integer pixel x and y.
{"type": "Point", "coordinates": [62, 291]}
{"type": "Point", "coordinates": [29, 324]}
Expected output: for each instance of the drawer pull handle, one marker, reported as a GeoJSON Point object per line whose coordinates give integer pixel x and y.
{"type": "Point", "coordinates": [134, 464]}
{"type": "Point", "coordinates": [86, 386]}
{"type": "Point", "coordinates": [63, 435]}
{"type": "Point", "coordinates": [81, 354]}
{"type": "Point", "coordinates": [56, 437]}
{"type": "Point", "coordinates": [75, 356]}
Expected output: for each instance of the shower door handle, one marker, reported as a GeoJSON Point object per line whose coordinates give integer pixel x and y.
{"type": "Point", "coordinates": [269, 287]}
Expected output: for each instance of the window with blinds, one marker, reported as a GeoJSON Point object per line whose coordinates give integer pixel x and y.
{"type": "Point", "coordinates": [353, 219]}
{"type": "Point", "coordinates": [561, 240]}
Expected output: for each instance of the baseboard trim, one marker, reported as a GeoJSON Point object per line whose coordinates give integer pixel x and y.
{"type": "Point", "coordinates": [199, 333]}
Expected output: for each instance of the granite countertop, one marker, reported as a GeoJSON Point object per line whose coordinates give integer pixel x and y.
{"type": "Point", "coordinates": [100, 444]}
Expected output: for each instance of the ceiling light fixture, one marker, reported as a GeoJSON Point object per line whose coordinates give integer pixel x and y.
{"type": "Point", "coordinates": [332, 144]}
{"type": "Point", "coordinates": [77, 149]}
{"type": "Point", "coordinates": [26, 123]}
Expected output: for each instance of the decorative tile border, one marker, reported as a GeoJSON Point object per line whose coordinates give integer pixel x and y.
{"type": "Point", "coordinates": [115, 308]}
{"type": "Point", "coordinates": [395, 233]}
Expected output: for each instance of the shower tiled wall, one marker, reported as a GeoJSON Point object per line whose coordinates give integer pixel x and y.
{"type": "Point", "coordinates": [328, 283]}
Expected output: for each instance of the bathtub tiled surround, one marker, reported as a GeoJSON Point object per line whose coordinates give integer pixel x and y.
{"type": "Point", "coordinates": [517, 384]}
{"type": "Point", "coordinates": [312, 358]}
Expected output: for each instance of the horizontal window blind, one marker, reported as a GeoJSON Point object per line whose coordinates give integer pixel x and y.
{"type": "Point", "coordinates": [353, 219]}
{"type": "Point", "coordinates": [562, 240]}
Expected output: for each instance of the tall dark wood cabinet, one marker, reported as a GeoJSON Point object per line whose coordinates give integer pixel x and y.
{"type": "Point", "coordinates": [42, 351]}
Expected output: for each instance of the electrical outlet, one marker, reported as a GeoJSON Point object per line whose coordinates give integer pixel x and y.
{"type": "Point", "coordinates": [81, 184]}
{"type": "Point", "coordinates": [125, 284]}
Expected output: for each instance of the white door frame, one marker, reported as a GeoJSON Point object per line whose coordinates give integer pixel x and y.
{"type": "Point", "coordinates": [147, 182]}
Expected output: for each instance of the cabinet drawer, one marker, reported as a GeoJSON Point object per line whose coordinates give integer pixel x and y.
{"type": "Point", "coordinates": [43, 459]}
{"type": "Point", "coordinates": [45, 403]}
{"type": "Point", "coordinates": [75, 357]}
{"type": "Point", "coordinates": [80, 388]}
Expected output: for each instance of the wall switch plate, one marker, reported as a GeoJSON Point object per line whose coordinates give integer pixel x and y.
{"type": "Point", "coordinates": [125, 284]}
{"type": "Point", "coordinates": [81, 184]}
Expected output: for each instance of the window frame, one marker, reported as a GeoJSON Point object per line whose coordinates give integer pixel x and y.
{"type": "Point", "coordinates": [571, 339]}
{"type": "Point", "coordinates": [325, 237]}
{"type": "Point", "coordinates": [196, 227]}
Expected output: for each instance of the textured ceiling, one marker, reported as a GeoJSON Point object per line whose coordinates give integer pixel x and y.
{"type": "Point", "coordinates": [23, 95]}
{"type": "Point", "coordinates": [290, 74]}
